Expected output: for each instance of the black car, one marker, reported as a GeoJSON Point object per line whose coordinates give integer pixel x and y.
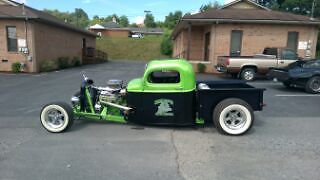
{"type": "Point", "coordinates": [304, 74]}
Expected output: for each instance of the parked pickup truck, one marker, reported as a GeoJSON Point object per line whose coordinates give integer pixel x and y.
{"type": "Point", "coordinates": [167, 94]}
{"type": "Point", "coordinates": [246, 67]}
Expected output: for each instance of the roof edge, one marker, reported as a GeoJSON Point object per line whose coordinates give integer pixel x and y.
{"type": "Point", "coordinates": [273, 21]}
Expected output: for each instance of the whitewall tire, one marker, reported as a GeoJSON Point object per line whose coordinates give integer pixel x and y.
{"type": "Point", "coordinates": [233, 117]}
{"type": "Point", "coordinates": [56, 117]}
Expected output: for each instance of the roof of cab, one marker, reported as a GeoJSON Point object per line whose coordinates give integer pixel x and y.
{"type": "Point", "coordinates": [180, 65]}
{"type": "Point", "coordinates": [185, 69]}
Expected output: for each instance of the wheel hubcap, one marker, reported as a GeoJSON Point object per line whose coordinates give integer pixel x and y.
{"type": "Point", "coordinates": [248, 75]}
{"type": "Point", "coordinates": [235, 119]}
{"type": "Point", "coordinates": [55, 118]}
{"type": "Point", "coordinates": [315, 85]}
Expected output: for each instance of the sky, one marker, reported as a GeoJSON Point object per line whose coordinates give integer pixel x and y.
{"type": "Point", "coordinates": [134, 10]}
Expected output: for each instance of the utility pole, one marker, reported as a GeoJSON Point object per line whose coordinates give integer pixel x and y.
{"type": "Point", "coordinates": [312, 10]}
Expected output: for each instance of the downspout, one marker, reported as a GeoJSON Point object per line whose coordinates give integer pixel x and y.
{"type": "Point", "coordinates": [26, 33]}
{"type": "Point", "coordinates": [189, 41]}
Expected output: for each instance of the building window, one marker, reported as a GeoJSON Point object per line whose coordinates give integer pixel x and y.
{"type": "Point", "coordinates": [292, 42]}
{"type": "Point", "coordinates": [236, 43]}
{"type": "Point", "coordinates": [12, 39]}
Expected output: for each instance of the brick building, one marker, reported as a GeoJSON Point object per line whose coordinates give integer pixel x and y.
{"type": "Point", "coordinates": [242, 27]}
{"type": "Point", "coordinates": [30, 36]}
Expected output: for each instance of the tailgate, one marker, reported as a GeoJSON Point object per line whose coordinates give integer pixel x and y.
{"type": "Point", "coordinates": [223, 62]}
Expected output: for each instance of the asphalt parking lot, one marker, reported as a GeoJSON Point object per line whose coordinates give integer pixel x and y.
{"type": "Point", "coordinates": [284, 142]}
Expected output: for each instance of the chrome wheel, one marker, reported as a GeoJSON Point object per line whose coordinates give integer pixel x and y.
{"type": "Point", "coordinates": [233, 116]}
{"type": "Point", "coordinates": [235, 119]}
{"type": "Point", "coordinates": [248, 75]}
{"type": "Point", "coordinates": [54, 118]}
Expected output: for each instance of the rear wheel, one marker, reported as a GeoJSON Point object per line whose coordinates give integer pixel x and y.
{"type": "Point", "coordinates": [233, 117]}
{"type": "Point", "coordinates": [248, 74]}
{"type": "Point", "coordinates": [56, 117]}
{"type": "Point", "coordinates": [313, 85]}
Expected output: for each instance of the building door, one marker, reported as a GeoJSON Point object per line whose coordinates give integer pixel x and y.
{"type": "Point", "coordinates": [84, 43]}
{"type": "Point", "coordinates": [292, 41]}
{"type": "Point", "coordinates": [206, 46]}
{"type": "Point", "coordinates": [236, 43]}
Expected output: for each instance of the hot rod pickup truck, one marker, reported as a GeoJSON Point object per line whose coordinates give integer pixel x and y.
{"type": "Point", "coordinates": [167, 94]}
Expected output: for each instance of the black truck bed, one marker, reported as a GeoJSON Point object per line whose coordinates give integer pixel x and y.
{"type": "Point", "coordinates": [207, 99]}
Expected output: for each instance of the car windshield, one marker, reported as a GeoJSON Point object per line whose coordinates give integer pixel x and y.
{"type": "Point", "coordinates": [312, 64]}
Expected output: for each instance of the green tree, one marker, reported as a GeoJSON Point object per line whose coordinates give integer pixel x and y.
{"type": "Point", "coordinates": [172, 19]}
{"type": "Point", "coordinates": [160, 24]}
{"type": "Point", "coordinates": [110, 18]}
{"type": "Point", "coordinates": [149, 21]}
{"type": "Point", "coordinates": [64, 16]}
{"type": "Point", "coordinates": [80, 18]}
{"type": "Point", "coordinates": [124, 21]}
{"type": "Point", "coordinates": [166, 46]}
{"type": "Point", "coordinates": [209, 6]}
{"type": "Point", "coordinates": [134, 25]}
{"type": "Point", "coordinates": [96, 20]}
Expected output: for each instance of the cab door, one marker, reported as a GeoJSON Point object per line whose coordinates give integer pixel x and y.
{"type": "Point", "coordinates": [164, 101]}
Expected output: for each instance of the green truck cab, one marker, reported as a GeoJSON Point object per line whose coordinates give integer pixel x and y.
{"type": "Point", "coordinates": [167, 94]}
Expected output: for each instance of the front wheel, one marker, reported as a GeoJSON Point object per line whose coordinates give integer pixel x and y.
{"type": "Point", "coordinates": [56, 117]}
{"type": "Point", "coordinates": [233, 117]}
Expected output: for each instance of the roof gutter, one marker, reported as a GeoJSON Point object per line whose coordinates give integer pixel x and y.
{"type": "Point", "coordinates": [252, 21]}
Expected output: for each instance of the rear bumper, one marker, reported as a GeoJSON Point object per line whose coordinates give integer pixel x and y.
{"type": "Point", "coordinates": [278, 74]}
{"type": "Point", "coordinates": [221, 69]}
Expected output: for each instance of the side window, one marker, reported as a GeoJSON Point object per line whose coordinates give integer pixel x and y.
{"type": "Point", "coordinates": [162, 77]}
{"type": "Point", "coordinates": [12, 43]}
{"type": "Point", "coordinates": [289, 54]}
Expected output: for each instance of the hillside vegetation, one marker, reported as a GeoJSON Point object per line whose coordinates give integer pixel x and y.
{"type": "Point", "coordinates": [147, 48]}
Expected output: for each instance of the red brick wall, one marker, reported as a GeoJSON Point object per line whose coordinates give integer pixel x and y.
{"type": "Point", "coordinates": [53, 42]}
{"type": "Point", "coordinates": [15, 56]}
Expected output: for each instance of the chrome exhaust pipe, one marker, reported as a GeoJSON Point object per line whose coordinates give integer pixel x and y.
{"type": "Point", "coordinates": [117, 105]}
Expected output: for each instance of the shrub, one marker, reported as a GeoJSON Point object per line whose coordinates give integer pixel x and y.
{"type": "Point", "coordinates": [47, 65]}
{"type": "Point", "coordinates": [63, 62]}
{"type": "Point", "coordinates": [16, 67]}
{"type": "Point", "coordinates": [76, 61]}
{"type": "Point", "coordinates": [318, 54]}
{"type": "Point", "coordinates": [166, 45]}
{"type": "Point", "coordinates": [201, 67]}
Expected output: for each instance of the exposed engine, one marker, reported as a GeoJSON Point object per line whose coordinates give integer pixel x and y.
{"type": "Point", "coordinates": [112, 93]}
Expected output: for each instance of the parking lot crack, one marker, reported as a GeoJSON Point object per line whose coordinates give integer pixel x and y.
{"type": "Point", "coordinates": [176, 154]}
